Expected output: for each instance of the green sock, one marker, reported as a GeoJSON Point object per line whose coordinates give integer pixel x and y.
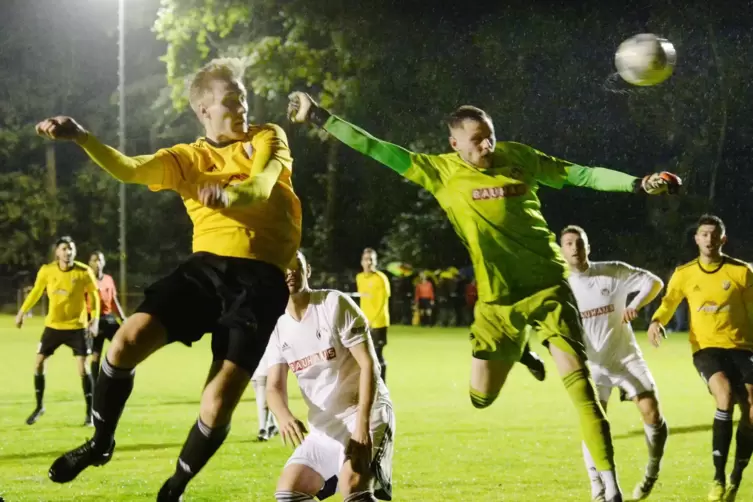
{"type": "Point", "coordinates": [593, 421]}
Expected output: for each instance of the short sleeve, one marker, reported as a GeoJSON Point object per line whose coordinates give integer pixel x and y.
{"type": "Point", "coordinates": [270, 143]}
{"type": "Point", "coordinates": [350, 322]}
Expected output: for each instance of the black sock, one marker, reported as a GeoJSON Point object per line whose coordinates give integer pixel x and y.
{"type": "Point", "coordinates": [743, 450]}
{"type": "Point", "coordinates": [87, 384]}
{"type": "Point", "coordinates": [94, 370]}
{"type": "Point", "coordinates": [721, 440]}
{"type": "Point", "coordinates": [382, 363]}
{"type": "Point", "coordinates": [111, 392]}
{"type": "Point", "coordinates": [201, 444]}
{"type": "Point", "coordinates": [39, 389]}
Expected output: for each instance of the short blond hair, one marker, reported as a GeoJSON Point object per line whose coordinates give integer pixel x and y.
{"type": "Point", "coordinates": [219, 68]}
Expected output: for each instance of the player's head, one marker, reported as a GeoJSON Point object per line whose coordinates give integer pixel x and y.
{"type": "Point", "coordinates": [369, 260]}
{"type": "Point", "coordinates": [710, 235]}
{"type": "Point", "coordinates": [575, 246]}
{"type": "Point", "coordinates": [472, 135]}
{"type": "Point", "coordinates": [297, 274]}
{"type": "Point", "coordinates": [218, 97]}
{"type": "Point", "coordinates": [65, 250]}
{"type": "Point", "coordinates": [97, 262]}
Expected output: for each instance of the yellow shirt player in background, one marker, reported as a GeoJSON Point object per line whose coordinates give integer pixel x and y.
{"type": "Point", "coordinates": [235, 183]}
{"type": "Point", "coordinates": [66, 282]}
{"type": "Point", "coordinates": [374, 289]}
{"type": "Point", "coordinates": [719, 291]}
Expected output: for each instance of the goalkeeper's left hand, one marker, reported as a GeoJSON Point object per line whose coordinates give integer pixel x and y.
{"type": "Point", "coordinates": [659, 183]}
{"type": "Point", "coordinates": [302, 108]}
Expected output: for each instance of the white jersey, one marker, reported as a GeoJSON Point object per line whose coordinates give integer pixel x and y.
{"type": "Point", "coordinates": [316, 350]}
{"type": "Point", "coordinates": [601, 293]}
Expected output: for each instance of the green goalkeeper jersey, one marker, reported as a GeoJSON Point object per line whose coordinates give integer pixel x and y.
{"type": "Point", "coordinates": [496, 212]}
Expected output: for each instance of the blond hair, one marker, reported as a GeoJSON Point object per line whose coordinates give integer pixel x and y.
{"type": "Point", "coordinates": [219, 68]}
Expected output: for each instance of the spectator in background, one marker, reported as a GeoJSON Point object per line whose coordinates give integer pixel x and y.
{"type": "Point", "coordinates": [424, 299]}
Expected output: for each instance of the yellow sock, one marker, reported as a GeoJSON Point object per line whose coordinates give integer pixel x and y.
{"type": "Point", "coordinates": [593, 421]}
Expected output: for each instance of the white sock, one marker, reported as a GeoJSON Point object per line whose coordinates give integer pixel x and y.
{"type": "Point", "coordinates": [656, 439]}
{"type": "Point", "coordinates": [260, 390]}
{"type": "Point", "coordinates": [611, 488]}
{"type": "Point", "coordinates": [597, 487]}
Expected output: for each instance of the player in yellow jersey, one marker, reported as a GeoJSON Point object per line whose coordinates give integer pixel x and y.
{"type": "Point", "coordinates": [236, 185]}
{"type": "Point", "coordinates": [67, 282]}
{"type": "Point", "coordinates": [719, 291]}
{"type": "Point", "coordinates": [489, 192]}
{"type": "Point", "coordinates": [374, 290]}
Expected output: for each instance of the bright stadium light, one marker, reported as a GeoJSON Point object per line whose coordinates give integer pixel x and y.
{"type": "Point", "coordinates": [122, 147]}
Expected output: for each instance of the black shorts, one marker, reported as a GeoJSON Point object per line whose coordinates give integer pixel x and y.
{"type": "Point", "coordinates": [53, 338]}
{"type": "Point", "coordinates": [379, 336]}
{"type": "Point", "coordinates": [736, 364]}
{"type": "Point", "coordinates": [237, 300]}
{"type": "Point", "coordinates": [108, 326]}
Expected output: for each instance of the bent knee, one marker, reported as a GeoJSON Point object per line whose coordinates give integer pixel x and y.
{"type": "Point", "coordinates": [482, 400]}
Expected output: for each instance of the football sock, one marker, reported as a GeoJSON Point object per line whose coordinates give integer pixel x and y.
{"type": "Point", "coordinates": [720, 442]}
{"type": "Point", "coordinates": [111, 392]}
{"type": "Point", "coordinates": [656, 439]}
{"type": "Point", "coordinates": [743, 451]}
{"type": "Point", "coordinates": [39, 389]}
{"type": "Point", "coordinates": [203, 441]}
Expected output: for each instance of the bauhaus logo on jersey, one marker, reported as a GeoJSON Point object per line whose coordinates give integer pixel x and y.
{"type": "Point", "coordinates": [607, 309]}
{"type": "Point", "coordinates": [499, 192]}
{"type": "Point", "coordinates": [713, 308]}
{"type": "Point", "coordinates": [318, 357]}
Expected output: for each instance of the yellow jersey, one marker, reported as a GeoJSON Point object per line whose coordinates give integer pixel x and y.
{"type": "Point", "coordinates": [720, 301]}
{"type": "Point", "coordinates": [374, 288]}
{"type": "Point", "coordinates": [66, 291]}
{"type": "Point", "coordinates": [268, 230]}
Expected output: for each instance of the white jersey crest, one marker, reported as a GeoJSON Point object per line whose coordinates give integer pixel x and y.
{"type": "Point", "coordinates": [316, 350]}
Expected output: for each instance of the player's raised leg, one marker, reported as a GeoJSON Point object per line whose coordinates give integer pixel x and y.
{"type": "Point", "coordinates": [593, 421]}
{"type": "Point", "coordinates": [140, 336]}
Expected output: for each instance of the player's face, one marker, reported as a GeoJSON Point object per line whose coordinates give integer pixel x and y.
{"type": "Point", "coordinates": [575, 249]}
{"type": "Point", "coordinates": [710, 240]}
{"type": "Point", "coordinates": [225, 111]}
{"type": "Point", "coordinates": [66, 253]}
{"type": "Point", "coordinates": [297, 275]}
{"type": "Point", "coordinates": [368, 262]}
{"type": "Point", "coordinates": [96, 263]}
{"type": "Point", "coordinates": [474, 141]}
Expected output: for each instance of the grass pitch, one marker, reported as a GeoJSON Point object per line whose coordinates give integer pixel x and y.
{"type": "Point", "coordinates": [524, 447]}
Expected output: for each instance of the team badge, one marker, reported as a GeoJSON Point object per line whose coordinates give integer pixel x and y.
{"type": "Point", "coordinates": [726, 285]}
{"type": "Point", "coordinates": [605, 292]}
{"type": "Point", "coordinates": [318, 334]}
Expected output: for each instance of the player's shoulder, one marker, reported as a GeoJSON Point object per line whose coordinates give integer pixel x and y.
{"type": "Point", "coordinates": [735, 263]}
{"type": "Point", "coordinates": [81, 267]}
{"type": "Point", "coordinates": [612, 267]}
{"type": "Point", "coordinates": [267, 132]}
{"type": "Point", "coordinates": [686, 267]}
{"type": "Point", "coordinates": [381, 275]}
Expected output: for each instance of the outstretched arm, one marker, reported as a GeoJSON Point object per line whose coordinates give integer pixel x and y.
{"type": "Point", "coordinates": [144, 169]}
{"type": "Point", "coordinates": [302, 108]}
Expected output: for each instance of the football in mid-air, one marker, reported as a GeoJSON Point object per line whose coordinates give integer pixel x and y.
{"type": "Point", "coordinates": [645, 59]}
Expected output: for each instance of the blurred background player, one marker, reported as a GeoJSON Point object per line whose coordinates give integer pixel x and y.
{"type": "Point", "coordinates": [719, 291]}
{"type": "Point", "coordinates": [614, 358]}
{"type": "Point", "coordinates": [324, 339]}
{"type": "Point", "coordinates": [489, 192]}
{"type": "Point", "coordinates": [67, 283]}
{"type": "Point", "coordinates": [267, 423]}
{"type": "Point", "coordinates": [374, 290]}
{"type": "Point", "coordinates": [235, 183]}
{"type": "Point", "coordinates": [424, 298]}
{"type": "Point", "coordinates": [110, 307]}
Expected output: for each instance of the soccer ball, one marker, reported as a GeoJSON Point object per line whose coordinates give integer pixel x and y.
{"type": "Point", "coordinates": [645, 59]}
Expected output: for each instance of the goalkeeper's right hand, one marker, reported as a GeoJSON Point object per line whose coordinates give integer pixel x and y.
{"type": "Point", "coordinates": [302, 108]}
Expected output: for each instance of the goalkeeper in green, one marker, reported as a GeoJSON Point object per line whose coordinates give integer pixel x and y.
{"type": "Point", "coordinates": [489, 192]}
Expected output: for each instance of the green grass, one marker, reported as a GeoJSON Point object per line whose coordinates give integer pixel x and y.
{"type": "Point", "coordinates": [525, 447]}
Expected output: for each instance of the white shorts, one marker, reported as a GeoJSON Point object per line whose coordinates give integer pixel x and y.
{"type": "Point", "coordinates": [325, 453]}
{"type": "Point", "coordinates": [632, 378]}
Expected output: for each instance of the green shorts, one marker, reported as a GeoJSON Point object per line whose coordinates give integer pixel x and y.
{"type": "Point", "coordinates": [500, 332]}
